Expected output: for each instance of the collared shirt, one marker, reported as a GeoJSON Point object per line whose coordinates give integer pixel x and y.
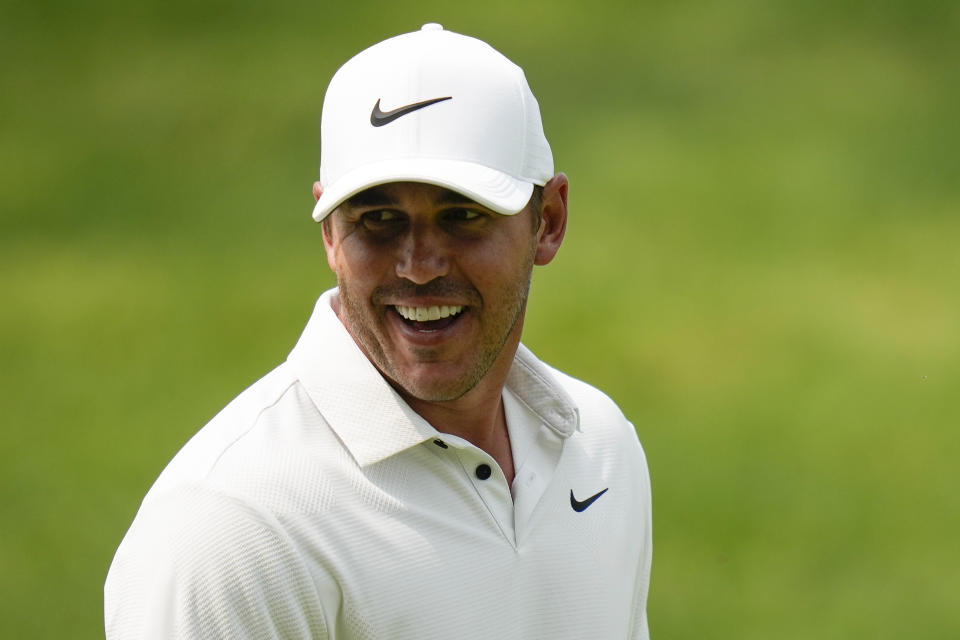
{"type": "Point", "coordinates": [318, 504]}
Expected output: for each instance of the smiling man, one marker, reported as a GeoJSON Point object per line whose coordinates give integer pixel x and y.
{"type": "Point", "coordinates": [411, 470]}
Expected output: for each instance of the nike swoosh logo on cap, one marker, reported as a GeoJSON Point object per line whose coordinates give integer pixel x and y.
{"type": "Point", "coordinates": [580, 505]}
{"type": "Point", "coordinates": [379, 118]}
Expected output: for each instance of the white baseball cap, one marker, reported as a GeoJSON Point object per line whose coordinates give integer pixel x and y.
{"type": "Point", "coordinates": [437, 107]}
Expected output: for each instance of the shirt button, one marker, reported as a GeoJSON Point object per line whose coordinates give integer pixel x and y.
{"type": "Point", "coordinates": [440, 443]}
{"type": "Point", "coordinates": [483, 471]}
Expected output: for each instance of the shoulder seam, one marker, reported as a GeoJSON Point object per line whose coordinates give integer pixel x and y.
{"type": "Point", "coordinates": [253, 423]}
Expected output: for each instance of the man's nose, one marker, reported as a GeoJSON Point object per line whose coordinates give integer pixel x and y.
{"type": "Point", "coordinates": [423, 255]}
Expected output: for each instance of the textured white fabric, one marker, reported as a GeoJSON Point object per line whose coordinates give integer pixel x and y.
{"type": "Point", "coordinates": [317, 504]}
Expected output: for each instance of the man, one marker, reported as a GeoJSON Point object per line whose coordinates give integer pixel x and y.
{"type": "Point", "coordinates": [411, 470]}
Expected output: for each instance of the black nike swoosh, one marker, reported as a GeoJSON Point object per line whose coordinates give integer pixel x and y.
{"type": "Point", "coordinates": [579, 505]}
{"type": "Point", "coordinates": [379, 118]}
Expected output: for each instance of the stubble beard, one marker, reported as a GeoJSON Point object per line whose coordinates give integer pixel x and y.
{"type": "Point", "coordinates": [359, 316]}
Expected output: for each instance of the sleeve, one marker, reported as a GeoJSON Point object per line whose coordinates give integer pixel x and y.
{"type": "Point", "coordinates": [199, 564]}
{"type": "Point", "coordinates": [639, 626]}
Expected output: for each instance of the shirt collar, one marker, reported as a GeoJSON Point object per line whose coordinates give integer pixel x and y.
{"type": "Point", "coordinates": [365, 412]}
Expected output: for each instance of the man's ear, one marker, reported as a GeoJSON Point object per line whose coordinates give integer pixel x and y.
{"type": "Point", "coordinates": [553, 219]}
{"type": "Point", "coordinates": [329, 246]}
{"type": "Point", "coordinates": [326, 228]}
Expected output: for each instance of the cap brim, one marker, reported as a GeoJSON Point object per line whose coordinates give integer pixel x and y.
{"type": "Point", "coordinates": [493, 189]}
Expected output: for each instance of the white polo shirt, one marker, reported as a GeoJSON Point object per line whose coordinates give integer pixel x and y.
{"type": "Point", "coordinates": [317, 504]}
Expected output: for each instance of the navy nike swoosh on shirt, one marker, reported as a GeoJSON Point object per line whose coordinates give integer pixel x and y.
{"type": "Point", "coordinates": [580, 505]}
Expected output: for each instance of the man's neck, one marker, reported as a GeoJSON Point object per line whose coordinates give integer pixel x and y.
{"type": "Point", "coordinates": [477, 416]}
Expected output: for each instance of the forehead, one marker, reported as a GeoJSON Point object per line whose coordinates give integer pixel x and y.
{"type": "Point", "coordinates": [394, 193]}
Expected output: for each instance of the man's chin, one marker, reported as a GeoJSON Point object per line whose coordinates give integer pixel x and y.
{"type": "Point", "coordinates": [433, 388]}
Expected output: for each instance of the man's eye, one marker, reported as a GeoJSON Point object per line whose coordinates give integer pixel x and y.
{"type": "Point", "coordinates": [463, 215]}
{"type": "Point", "coordinates": [380, 219]}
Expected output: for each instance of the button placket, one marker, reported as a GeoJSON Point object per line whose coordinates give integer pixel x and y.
{"type": "Point", "coordinates": [491, 487]}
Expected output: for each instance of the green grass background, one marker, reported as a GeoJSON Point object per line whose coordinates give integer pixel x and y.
{"type": "Point", "coordinates": [762, 268]}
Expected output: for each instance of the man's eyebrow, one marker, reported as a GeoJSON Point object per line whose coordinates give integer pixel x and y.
{"type": "Point", "coordinates": [448, 196]}
{"type": "Point", "coordinates": [372, 197]}
{"type": "Point", "coordinates": [379, 196]}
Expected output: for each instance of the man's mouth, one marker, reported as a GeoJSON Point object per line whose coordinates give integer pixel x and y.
{"type": "Point", "coordinates": [432, 318]}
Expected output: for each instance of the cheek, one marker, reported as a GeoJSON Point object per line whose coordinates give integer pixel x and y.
{"type": "Point", "coordinates": [503, 274]}
{"type": "Point", "coordinates": [355, 260]}
{"type": "Point", "coordinates": [515, 254]}
{"type": "Point", "coordinates": [361, 274]}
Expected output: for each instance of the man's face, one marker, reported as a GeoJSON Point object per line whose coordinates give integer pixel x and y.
{"type": "Point", "coordinates": [433, 286]}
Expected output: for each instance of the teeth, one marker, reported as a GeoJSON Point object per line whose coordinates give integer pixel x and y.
{"type": "Point", "coordinates": [425, 314]}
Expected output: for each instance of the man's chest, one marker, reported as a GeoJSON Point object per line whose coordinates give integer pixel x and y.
{"type": "Point", "coordinates": [420, 549]}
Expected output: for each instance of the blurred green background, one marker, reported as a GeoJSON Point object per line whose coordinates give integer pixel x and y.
{"type": "Point", "coordinates": [762, 268]}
